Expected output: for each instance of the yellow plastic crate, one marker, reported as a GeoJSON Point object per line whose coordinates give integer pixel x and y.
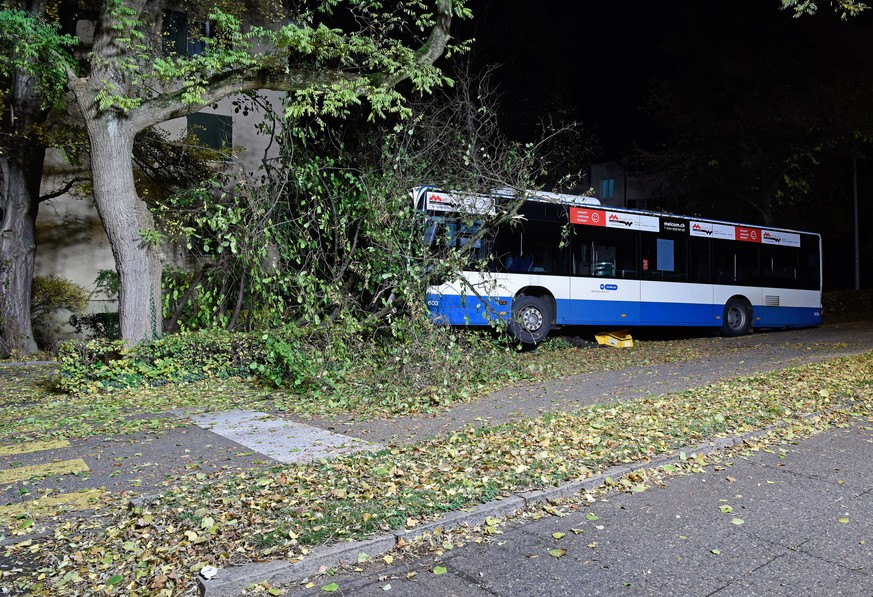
{"type": "Point", "coordinates": [619, 339]}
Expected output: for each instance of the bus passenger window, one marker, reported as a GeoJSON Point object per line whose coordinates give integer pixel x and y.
{"type": "Point", "coordinates": [582, 260]}
{"type": "Point", "coordinates": [665, 261]}
{"type": "Point", "coordinates": [735, 262]}
{"type": "Point", "coordinates": [663, 258]}
{"type": "Point", "coordinates": [698, 260]}
{"type": "Point", "coordinates": [606, 254]}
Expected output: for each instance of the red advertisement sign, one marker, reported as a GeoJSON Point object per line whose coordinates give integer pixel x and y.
{"type": "Point", "coordinates": [749, 235]}
{"type": "Point", "coordinates": [588, 217]}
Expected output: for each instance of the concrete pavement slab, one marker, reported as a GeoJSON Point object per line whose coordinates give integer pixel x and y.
{"type": "Point", "coordinates": [278, 438]}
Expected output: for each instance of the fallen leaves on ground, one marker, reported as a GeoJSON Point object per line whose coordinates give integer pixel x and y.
{"type": "Point", "coordinates": [285, 511]}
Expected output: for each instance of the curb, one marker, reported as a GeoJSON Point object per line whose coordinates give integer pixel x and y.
{"type": "Point", "coordinates": [230, 582]}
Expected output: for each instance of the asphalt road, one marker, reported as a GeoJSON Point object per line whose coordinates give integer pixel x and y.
{"type": "Point", "coordinates": [800, 524]}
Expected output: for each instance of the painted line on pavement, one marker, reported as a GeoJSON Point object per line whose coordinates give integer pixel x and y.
{"type": "Point", "coordinates": [78, 500]}
{"type": "Point", "coordinates": [280, 439]}
{"type": "Point", "coordinates": [51, 469]}
{"type": "Point", "coordinates": [33, 447]}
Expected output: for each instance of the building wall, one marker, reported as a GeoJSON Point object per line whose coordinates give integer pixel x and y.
{"type": "Point", "coordinates": [608, 181]}
{"type": "Point", "coordinates": [628, 188]}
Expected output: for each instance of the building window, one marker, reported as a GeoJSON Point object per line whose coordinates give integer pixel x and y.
{"type": "Point", "coordinates": [183, 36]}
{"type": "Point", "coordinates": [214, 131]}
{"type": "Point", "coordinates": [607, 188]}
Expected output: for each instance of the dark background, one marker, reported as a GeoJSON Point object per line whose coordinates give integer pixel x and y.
{"type": "Point", "coordinates": [715, 96]}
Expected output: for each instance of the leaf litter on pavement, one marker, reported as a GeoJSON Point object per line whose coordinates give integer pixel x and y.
{"type": "Point", "coordinates": [286, 511]}
{"type": "Point", "coordinates": [32, 410]}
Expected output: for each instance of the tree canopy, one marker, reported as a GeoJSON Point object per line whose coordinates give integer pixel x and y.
{"type": "Point", "coordinates": [327, 55]}
{"type": "Point", "coordinates": [846, 8]}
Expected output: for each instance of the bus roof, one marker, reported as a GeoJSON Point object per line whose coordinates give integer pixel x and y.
{"type": "Point", "coordinates": [435, 199]}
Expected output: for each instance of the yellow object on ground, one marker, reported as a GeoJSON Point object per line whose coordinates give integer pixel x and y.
{"type": "Point", "coordinates": [51, 469]}
{"type": "Point", "coordinates": [33, 447]}
{"type": "Point", "coordinates": [619, 339]}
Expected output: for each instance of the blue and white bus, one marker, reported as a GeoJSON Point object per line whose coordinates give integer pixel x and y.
{"type": "Point", "coordinates": [570, 261]}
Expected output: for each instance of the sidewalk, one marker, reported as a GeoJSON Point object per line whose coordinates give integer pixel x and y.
{"type": "Point", "coordinates": [807, 529]}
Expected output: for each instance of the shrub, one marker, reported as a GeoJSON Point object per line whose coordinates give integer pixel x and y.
{"type": "Point", "coordinates": [101, 364]}
{"type": "Point", "coordinates": [100, 325]}
{"type": "Point", "coordinates": [51, 294]}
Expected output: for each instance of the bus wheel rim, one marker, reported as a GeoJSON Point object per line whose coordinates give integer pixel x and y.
{"type": "Point", "coordinates": [531, 318]}
{"type": "Point", "coordinates": [736, 318]}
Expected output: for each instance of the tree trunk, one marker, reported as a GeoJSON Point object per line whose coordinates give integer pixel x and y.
{"type": "Point", "coordinates": [125, 218]}
{"type": "Point", "coordinates": [21, 171]}
{"type": "Point", "coordinates": [17, 255]}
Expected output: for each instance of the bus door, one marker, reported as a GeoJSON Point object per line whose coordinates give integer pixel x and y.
{"type": "Point", "coordinates": [605, 285]}
{"type": "Point", "coordinates": [529, 258]}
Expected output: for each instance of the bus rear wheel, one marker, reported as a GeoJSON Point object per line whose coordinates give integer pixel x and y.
{"type": "Point", "coordinates": [531, 319]}
{"type": "Point", "coordinates": [737, 318]}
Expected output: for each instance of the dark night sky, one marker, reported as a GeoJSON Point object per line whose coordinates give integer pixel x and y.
{"type": "Point", "coordinates": [595, 61]}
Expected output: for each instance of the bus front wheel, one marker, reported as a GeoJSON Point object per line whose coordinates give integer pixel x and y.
{"type": "Point", "coordinates": [531, 319]}
{"type": "Point", "coordinates": [737, 318]}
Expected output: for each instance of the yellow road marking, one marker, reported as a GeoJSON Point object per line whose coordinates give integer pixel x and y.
{"type": "Point", "coordinates": [33, 447]}
{"type": "Point", "coordinates": [23, 473]}
{"type": "Point", "coordinates": [79, 500]}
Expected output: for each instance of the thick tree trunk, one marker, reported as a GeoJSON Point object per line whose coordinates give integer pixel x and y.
{"type": "Point", "coordinates": [21, 171]}
{"type": "Point", "coordinates": [18, 209]}
{"type": "Point", "coordinates": [125, 218]}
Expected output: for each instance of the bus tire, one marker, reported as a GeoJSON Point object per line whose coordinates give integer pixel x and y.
{"type": "Point", "coordinates": [531, 319]}
{"type": "Point", "coordinates": [737, 318]}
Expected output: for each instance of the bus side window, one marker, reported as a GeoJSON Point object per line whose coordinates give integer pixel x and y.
{"type": "Point", "coordinates": [735, 262]}
{"type": "Point", "coordinates": [663, 258]}
{"type": "Point", "coordinates": [698, 260]}
{"type": "Point", "coordinates": [582, 260]}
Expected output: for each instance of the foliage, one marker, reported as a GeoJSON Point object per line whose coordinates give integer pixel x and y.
{"type": "Point", "coordinates": [50, 295]}
{"type": "Point", "coordinates": [327, 235]}
{"type": "Point", "coordinates": [328, 56]}
{"type": "Point", "coordinates": [847, 305]}
{"type": "Point", "coordinates": [98, 325]}
{"type": "Point", "coordinates": [89, 366]}
{"type": "Point", "coordinates": [846, 8]}
{"type": "Point", "coordinates": [30, 44]}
